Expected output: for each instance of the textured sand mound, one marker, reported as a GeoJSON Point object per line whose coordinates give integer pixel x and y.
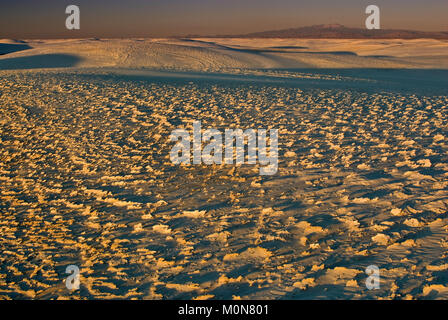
{"type": "Point", "coordinates": [218, 54]}
{"type": "Point", "coordinates": [86, 179]}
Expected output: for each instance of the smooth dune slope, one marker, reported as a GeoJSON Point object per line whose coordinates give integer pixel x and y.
{"type": "Point", "coordinates": [218, 54]}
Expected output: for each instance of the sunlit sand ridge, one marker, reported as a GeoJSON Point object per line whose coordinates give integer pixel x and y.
{"type": "Point", "coordinates": [218, 54]}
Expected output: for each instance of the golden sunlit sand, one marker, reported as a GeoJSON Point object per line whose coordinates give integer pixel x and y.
{"type": "Point", "coordinates": [86, 178]}
{"type": "Point", "coordinates": [234, 54]}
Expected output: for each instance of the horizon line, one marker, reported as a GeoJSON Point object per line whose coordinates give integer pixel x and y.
{"type": "Point", "coordinates": [234, 35]}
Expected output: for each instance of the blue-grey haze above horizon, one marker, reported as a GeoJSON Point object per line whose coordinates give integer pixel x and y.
{"type": "Point", "coordinates": [157, 18]}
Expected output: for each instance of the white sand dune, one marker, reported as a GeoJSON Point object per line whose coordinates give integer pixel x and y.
{"type": "Point", "coordinates": [86, 179]}
{"type": "Point", "coordinates": [85, 175]}
{"type": "Point", "coordinates": [218, 54]}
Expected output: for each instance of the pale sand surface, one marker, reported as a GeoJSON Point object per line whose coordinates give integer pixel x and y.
{"type": "Point", "coordinates": [219, 54]}
{"type": "Point", "coordinates": [85, 175]}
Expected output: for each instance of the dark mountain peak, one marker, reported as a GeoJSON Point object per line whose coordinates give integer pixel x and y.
{"type": "Point", "coordinates": [339, 31]}
{"type": "Point", "coordinates": [328, 26]}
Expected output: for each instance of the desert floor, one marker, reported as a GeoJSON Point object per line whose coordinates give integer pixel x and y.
{"type": "Point", "coordinates": [86, 179]}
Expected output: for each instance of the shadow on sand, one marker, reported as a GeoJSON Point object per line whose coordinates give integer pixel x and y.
{"type": "Point", "coordinates": [421, 81]}
{"type": "Point", "coordinates": [6, 48]}
{"type": "Point", "coordinates": [40, 61]}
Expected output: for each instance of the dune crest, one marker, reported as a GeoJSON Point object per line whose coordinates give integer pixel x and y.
{"type": "Point", "coordinates": [220, 54]}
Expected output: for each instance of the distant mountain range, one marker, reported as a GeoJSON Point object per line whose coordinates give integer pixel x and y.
{"type": "Point", "coordinates": [336, 31]}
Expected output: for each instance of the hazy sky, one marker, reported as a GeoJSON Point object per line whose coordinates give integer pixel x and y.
{"type": "Point", "coordinates": [158, 18]}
